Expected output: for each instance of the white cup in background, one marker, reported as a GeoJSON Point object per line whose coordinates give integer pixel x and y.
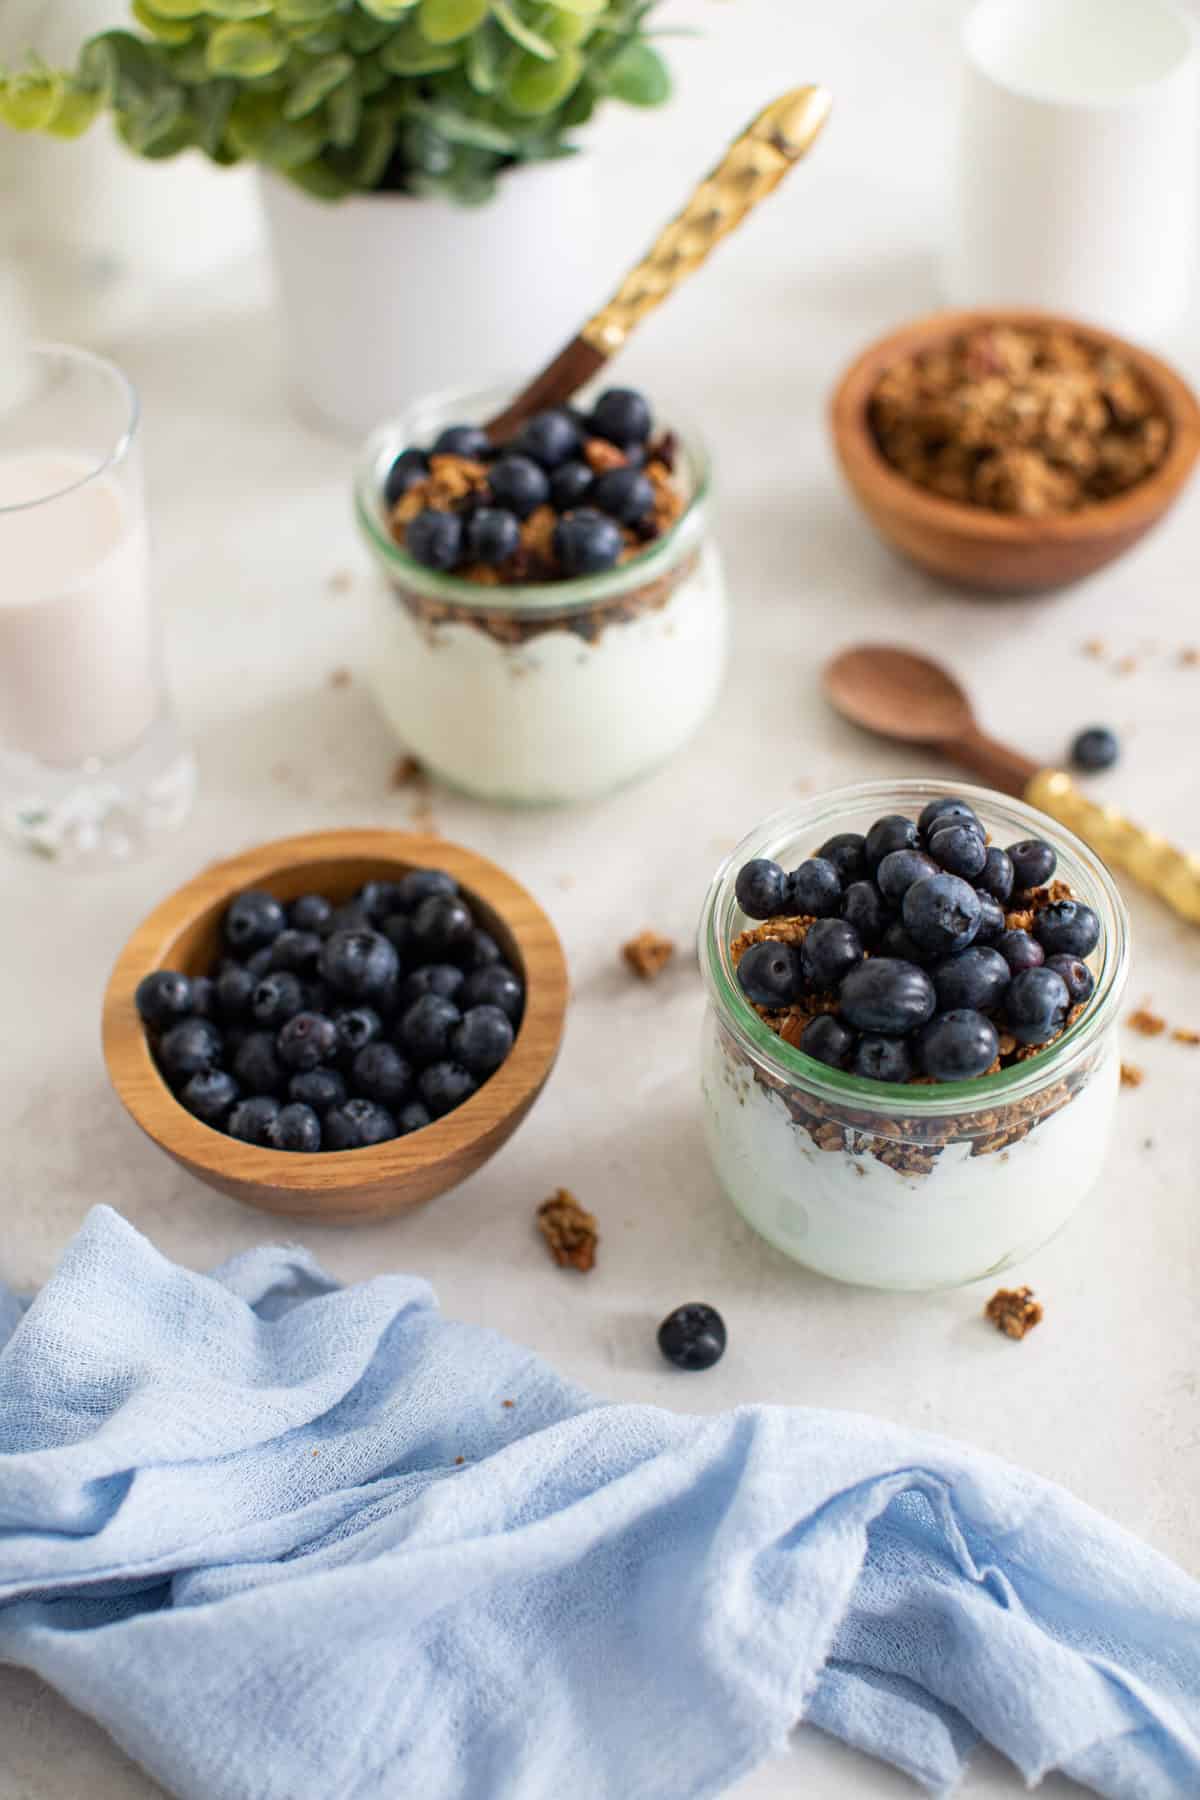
{"type": "Point", "coordinates": [1077, 160]}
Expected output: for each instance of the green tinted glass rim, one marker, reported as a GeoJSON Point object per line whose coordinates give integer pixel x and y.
{"type": "Point", "coordinates": [555, 597]}
{"type": "Point", "coordinates": [794, 1068]}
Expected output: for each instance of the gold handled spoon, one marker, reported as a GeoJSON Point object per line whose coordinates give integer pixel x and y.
{"type": "Point", "coordinates": [916, 701]}
{"type": "Point", "coordinates": [751, 168]}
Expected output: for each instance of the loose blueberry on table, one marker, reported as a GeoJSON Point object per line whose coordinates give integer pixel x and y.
{"type": "Point", "coordinates": [693, 1336]}
{"type": "Point", "coordinates": [571, 495]}
{"type": "Point", "coordinates": [917, 951]}
{"type": "Point", "coordinates": [326, 1027]}
{"type": "Point", "coordinates": [1095, 748]}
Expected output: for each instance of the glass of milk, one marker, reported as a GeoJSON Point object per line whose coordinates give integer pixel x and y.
{"type": "Point", "coordinates": [91, 762]}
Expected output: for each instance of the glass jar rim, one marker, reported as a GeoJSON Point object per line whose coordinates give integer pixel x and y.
{"type": "Point", "coordinates": [48, 352]}
{"type": "Point", "coordinates": [522, 598]}
{"type": "Point", "coordinates": [793, 1068]}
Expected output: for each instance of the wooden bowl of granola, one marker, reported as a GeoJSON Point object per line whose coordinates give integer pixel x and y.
{"type": "Point", "coordinates": [1012, 451]}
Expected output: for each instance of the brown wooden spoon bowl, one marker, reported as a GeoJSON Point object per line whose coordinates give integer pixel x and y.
{"type": "Point", "coordinates": [994, 552]}
{"type": "Point", "coordinates": [341, 1185]}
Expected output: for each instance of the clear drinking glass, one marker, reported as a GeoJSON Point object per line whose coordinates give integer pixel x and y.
{"type": "Point", "coordinates": [91, 761]}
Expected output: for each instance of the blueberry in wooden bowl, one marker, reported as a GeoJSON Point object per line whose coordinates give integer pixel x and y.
{"type": "Point", "coordinates": [338, 1026]}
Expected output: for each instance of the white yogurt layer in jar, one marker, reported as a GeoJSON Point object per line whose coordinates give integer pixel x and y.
{"type": "Point", "coordinates": [545, 693]}
{"type": "Point", "coordinates": [908, 1186]}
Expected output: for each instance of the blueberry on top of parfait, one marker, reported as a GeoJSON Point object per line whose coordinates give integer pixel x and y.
{"type": "Point", "coordinates": [846, 850]}
{"type": "Point", "coordinates": [892, 832]}
{"type": "Point", "coordinates": [550, 438]}
{"type": "Point", "coordinates": [587, 543]}
{"type": "Point", "coordinates": [468, 441]}
{"type": "Point", "coordinates": [435, 539]}
{"type": "Point", "coordinates": [1033, 862]}
{"type": "Point", "coordinates": [815, 889]}
{"type": "Point", "coordinates": [622, 416]}
{"type": "Point", "coordinates": [410, 466]}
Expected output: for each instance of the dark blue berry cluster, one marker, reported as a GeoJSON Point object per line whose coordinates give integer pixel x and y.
{"type": "Point", "coordinates": [604, 502]}
{"type": "Point", "coordinates": [912, 942]}
{"type": "Point", "coordinates": [333, 1027]}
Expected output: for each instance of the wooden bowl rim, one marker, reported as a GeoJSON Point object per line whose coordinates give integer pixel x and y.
{"type": "Point", "coordinates": [515, 1085]}
{"type": "Point", "coordinates": [1138, 507]}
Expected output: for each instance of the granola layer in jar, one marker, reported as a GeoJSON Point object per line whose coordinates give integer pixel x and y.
{"type": "Point", "coordinates": [551, 691]}
{"type": "Point", "coordinates": [910, 1186]}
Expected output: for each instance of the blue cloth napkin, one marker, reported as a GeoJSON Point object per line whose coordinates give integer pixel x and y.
{"type": "Point", "coordinates": [288, 1541]}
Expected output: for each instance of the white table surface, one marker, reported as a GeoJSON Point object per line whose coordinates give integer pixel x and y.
{"type": "Point", "coordinates": [251, 517]}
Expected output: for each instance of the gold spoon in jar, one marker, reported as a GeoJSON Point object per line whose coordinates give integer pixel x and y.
{"type": "Point", "coordinates": [916, 701]}
{"type": "Point", "coordinates": [751, 168]}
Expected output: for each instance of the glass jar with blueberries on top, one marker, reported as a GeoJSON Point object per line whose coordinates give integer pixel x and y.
{"type": "Point", "coordinates": [554, 623]}
{"type": "Point", "coordinates": [910, 1059]}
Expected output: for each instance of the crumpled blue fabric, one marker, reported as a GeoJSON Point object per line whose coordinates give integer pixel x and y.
{"type": "Point", "coordinates": [290, 1541]}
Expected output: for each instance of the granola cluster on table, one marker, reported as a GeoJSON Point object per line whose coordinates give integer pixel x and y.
{"type": "Point", "coordinates": [1014, 1311]}
{"type": "Point", "coordinates": [1031, 421]}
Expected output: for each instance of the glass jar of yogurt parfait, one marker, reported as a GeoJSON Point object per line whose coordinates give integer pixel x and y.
{"type": "Point", "coordinates": [914, 1185]}
{"type": "Point", "coordinates": [554, 691]}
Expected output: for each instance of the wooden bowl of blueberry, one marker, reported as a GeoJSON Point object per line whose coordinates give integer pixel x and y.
{"type": "Point", "coordinates": [338, 1026]}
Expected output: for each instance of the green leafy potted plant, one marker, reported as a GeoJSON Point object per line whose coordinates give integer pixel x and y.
{"type": "Point", "coordinates": [441, 128]}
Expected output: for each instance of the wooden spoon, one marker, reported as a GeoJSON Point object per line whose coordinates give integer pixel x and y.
{"type": "Point", "coordinates": [751, 168]}
{"type": "Point", "coordinates": [916, 701]}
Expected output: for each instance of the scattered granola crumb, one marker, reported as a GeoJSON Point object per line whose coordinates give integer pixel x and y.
{"type": "Point", "coordinates": [459, 1461]}
{"type": "Point", "coordinates": [340, 678]}
{"type": "Point", "coordinates": [1014, 1311]}
{"type": "Point", "coordinates": [1131, 1075]}
{"type": "Point", "coordinates": [566, 883]}
{"type": "Point", "coordinates": [570, 1231]}
{"type": "Point", "coordinates": [648, 954]}
{"type": "Point", "coordinates": [421, 811]}
{"type": "Point", "coordinates": [340, 582]}
{"type": "Point", "coordinates": [1146, 1023]}
{"type": "Point", "coordinates": [1182, 1035]}
{"type": "Point", "coordinates": [406, 771]}
{"type": "Point", "coordinates": [508, 1403]}
{"type": "Point", "coordinates": [1095, 647]}
{"type": "Point", "coordinates": [316, 1453]}
{"type": "Point", "coordinates": [1126, 665]}
{"type": "Point", "coordinates": [1189, 657]}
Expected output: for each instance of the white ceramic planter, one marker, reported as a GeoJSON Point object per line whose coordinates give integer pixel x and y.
{"type": "Point", "coordinates": [386, 298]}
